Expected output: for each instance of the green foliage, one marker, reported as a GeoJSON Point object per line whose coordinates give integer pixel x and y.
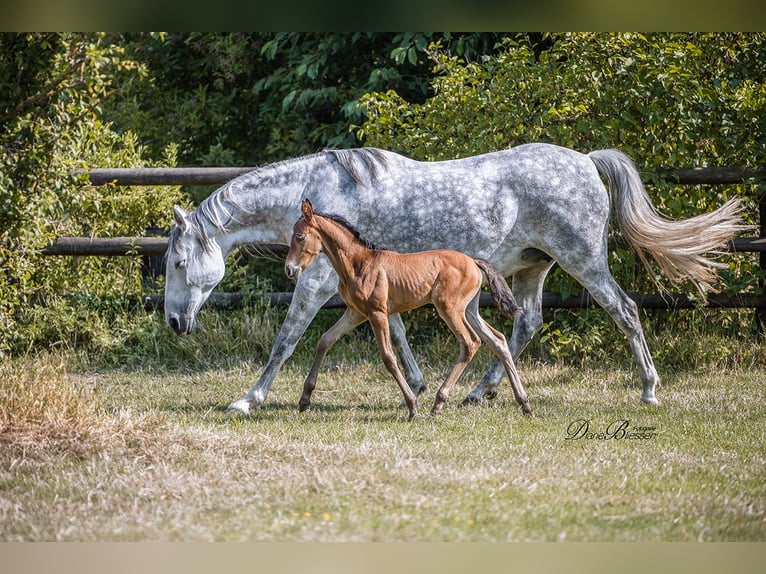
{"type": "Point", "coordinates": [319, 77]}
{"type": "Point", "coordinates": [263, 97]}
{"type": "Point", "coordinates": [59, 83]}
{"type": "Point", "coordinates": [668, 100]}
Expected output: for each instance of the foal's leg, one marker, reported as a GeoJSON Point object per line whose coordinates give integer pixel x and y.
{"type": "Point", "coordinates": [496, 341]}
{"type": "Point", "coordinates": [528, 290]}
{"type": "Point", "coordinates": [454, 317]}
{"type": "Point", "coordinates": [316, 285]}
{"type": "Point", "coordinates": [379, 324]}
{"type": "Point", "coordinates": [348, 321]}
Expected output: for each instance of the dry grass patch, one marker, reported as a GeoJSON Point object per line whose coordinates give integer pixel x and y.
{"type": "Point", "coordinates": [152, 455]}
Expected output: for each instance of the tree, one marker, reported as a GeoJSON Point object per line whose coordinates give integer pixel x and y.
{"type": "Point", "coordinates": [249, 99]}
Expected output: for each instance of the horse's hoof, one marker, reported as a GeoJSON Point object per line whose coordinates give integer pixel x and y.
{"type": "Point", "coordinates": [241, 406]}
{"type": "Point", "coordinates": [471, 400]}
{"type": "Point", "coordinates": [650, 401]}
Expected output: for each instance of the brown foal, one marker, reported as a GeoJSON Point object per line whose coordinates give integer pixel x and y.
{"type": "Point", "coordinates": [375, 283]}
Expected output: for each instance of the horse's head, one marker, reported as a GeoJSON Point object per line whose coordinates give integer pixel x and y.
{"type": "Point", "coordinates": [305, 243]}
{"type": "Point", "coordinates": [194, 266]}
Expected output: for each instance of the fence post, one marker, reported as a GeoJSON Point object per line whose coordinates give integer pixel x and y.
{"type": "Point", "coordinates": [760, 312]}
{"type": "Point", "coordinates": [151, 265]}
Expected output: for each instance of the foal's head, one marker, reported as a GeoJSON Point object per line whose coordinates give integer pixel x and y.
{"type": "Point", "coordinates": [305, 244]}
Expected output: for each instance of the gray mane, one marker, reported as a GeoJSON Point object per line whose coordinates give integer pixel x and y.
{"type": "Point", "coordinates": [197, 229]}
{"type": "Point", "coordinates": [224, 206]}
{"type": "Point", "coordinates": [361, 164]}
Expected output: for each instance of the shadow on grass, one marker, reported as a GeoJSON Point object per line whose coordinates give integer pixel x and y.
{"type": "Point", "coordinates": [275, 410]}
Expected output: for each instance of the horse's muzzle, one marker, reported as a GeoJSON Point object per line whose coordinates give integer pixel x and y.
{"type": "Point", "coordinates": [180, 326]}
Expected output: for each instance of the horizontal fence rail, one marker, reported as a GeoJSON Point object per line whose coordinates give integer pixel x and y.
{"type": "Point", "coordinates": [161, 175]}
{"type": "Point", "coordinates": [103, 246]}
{"type": "Point", "coordinates": [711, 175]}
{"type": "Point", "coordinates": [220, 175]}
{"type": "Point", "coordinates": [550, 300]}
{"type": "Point", "coordinates": [151, 248]}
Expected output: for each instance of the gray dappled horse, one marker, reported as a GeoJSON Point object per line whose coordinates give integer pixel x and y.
{"type": "Point", "coordinates": [523, 209]}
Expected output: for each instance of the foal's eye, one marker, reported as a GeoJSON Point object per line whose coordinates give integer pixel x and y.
{"type": "Point", "coordinates": [301, 237]}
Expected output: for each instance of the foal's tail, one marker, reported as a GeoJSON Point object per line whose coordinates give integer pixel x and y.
{"type": "Point", "coordinates": [677, 246]}
{"type": "Point", "coordinates": [501, 293]}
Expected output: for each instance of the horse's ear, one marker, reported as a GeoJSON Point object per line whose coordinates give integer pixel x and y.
{"type": "Point", "coordinates": [180, 216]}
{"type": "Point", "coordinates": [307, 210]}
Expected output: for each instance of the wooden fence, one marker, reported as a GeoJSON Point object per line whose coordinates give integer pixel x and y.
{"type": "Point", "coordinates": [153, 248]}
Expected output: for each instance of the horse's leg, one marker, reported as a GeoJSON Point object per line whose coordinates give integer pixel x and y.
{"type": "Point", "coordinates": [348, 321]}
{"type": "Point", "coordinates": [528, 290]}
{"type": "Point", "coordinates": [454, 317]}
{"type": "Point", "coordinates": [411, 370]}
{"type": "Point", "coordinates": [316, 285]}
{"type": "Point", "coordinates": [379, 324]}
{"type": "Point", "coordinates": [497, 343]}
{"type": "Point", "coordinates": [607, 293]}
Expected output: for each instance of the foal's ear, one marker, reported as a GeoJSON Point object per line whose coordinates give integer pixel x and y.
{"type": "Point", "coordinates": [307, 210]}
{"type": "Point", "coordinates": [180, 216]}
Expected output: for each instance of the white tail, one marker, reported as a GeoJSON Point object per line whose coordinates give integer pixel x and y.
{"type": "Point", "coordinates": [677, 246]}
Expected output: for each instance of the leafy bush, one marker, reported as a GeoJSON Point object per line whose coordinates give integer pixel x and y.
{"type": "Point", "coordinates": [52, 127]}
{"type": "Point", "coordinates": [253, 98]}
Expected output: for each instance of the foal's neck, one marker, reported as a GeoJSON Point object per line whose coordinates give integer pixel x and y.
{"type": "Point", "coordinates": [342, 248]}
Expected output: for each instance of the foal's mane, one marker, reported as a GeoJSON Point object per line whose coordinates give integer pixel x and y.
{"type": "Point", "coordinates": [351, 229]}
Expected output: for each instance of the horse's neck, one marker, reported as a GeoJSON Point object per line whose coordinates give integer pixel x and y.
{"type": "Point", "coordinates": [252, 209]}
{"type": "Point", "coordinates": [343, 250]}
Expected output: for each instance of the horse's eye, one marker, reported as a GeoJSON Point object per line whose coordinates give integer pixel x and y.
{"type": "Point", "coordinates": [181, 264]}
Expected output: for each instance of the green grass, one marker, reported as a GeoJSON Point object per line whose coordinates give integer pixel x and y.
{"type": "Point", "coordinates": [149, 453]}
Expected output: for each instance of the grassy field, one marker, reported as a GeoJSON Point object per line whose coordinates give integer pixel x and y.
{"type": "Point", "coordinates": [148, 453]}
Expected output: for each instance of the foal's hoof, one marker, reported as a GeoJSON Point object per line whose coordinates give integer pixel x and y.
{"type": "Point", "coordinates": [303, 407]}
{"type": "Point", "coordinates": [526, 409]}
